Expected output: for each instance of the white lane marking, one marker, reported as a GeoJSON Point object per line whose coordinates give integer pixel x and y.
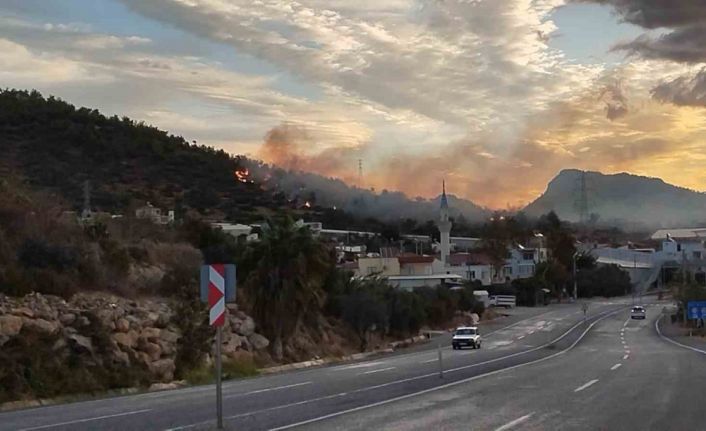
{"type": "Point", "coordinates": [268, 390]}
{"type": "Point", "coordinates": [378, 371]}
{"type": "Point", "coordinates": [625, 357]}
{"type": "Point", "coordinates": [693, 349]}
{"type": "Point", "coordinates": [615, 367]}
{"type": "Point", "coordinates": [517, 421]}
{"type": "Point", "coordinates": [585, 385]}
{"type": "Point", "coordinates": [78, 421]}
{"type": "Point", "coordinates": [520, 337]}
{"type": "Point", "coordinates": [456, 383]}
{"type": "Point", "coordinates": [430, 361]}
{"type": "Point", "coordinates": [354, 366]}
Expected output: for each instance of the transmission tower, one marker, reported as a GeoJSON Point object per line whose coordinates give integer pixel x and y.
{"type": "Point", "coordinates": [360, 173]}
{"type": "Point", "coordinates": [582, 198]}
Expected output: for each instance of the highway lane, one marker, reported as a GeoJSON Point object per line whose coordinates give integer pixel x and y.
{"type": "Point", "coordinates": [280, 400]}
{"type": "Point", "coordinates": [622, 376]}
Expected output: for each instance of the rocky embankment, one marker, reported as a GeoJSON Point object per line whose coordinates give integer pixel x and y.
{"type": "Point", "coordinates": [119, 332]}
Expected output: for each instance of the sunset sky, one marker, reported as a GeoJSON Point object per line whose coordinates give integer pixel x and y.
{"type": "Point", "coordinates": [494, 96]}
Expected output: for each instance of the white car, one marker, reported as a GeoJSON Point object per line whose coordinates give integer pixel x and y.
{"type": "Point", "coordinates": [466, 336]}
{"type": "Point", "coordinates": [638, 312]}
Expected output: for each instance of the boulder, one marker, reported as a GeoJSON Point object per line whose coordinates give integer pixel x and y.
{"type": "Point", "coordinates": [169, 336]}
{"type": "Point", "coordinates": [67, 318]}
{"type": "Point", "coordinates": [10, 325]}
{"type": "Point", "coordinates": [258, 342]}
{"type": "Point", "coordinates": [82, 321]}
{"type": "Point", "coordinates": [106, 317]}
{"type": "Point", "coordinates": [152, 349]}
{"type": "Point", "coordinates": [162, 321]}
{"type": "Point", "coordinates": [121, 358]}
{"type": "Point", "coordinates": [81, 343]}
{"type": "Point", "coordinates": [126, 339]}
{"type": "Point", "coordinates": [59, 344]}
{"type": "Point", "coordinates": [151, 334]}
{"type": "Point", "coordinates": [40, 326]}
{"type": "Point", "coordinates": [168, 349]}
{"type": "Point", "coordinates": [122, 325]}
{"type": "Point", "coordinates": [231, 343]}
{"type": "Point", "coordinates": [247, 327]}
{"type": "Point", "coordinates": [163, 369]}
{"type": "Point", "coordinates": [23, 311]}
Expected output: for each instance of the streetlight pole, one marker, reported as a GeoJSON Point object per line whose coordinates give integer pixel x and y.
{"type": "Point", "coordinates": [575, 282]}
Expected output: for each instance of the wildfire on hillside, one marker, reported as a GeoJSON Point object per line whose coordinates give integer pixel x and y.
{"type": "Point", "coordinates": [243, 175]}
{"type": "Point", "coordinates": [307, 204]}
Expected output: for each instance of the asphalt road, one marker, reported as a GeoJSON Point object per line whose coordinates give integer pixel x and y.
{"type": "Point", "coordinates": [621, 376]}
{"type": "Point", "coordinates": [531, 370]}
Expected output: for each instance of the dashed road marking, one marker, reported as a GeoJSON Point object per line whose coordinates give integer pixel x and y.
{"type": "Point", "coordinates": [517, 421]}
{"type": "Point", "coordinates": [615, 367]}
{"type": "Point", "coordinates": [625, 357]}
{"type": "Point", "coordinates": [586, 385]}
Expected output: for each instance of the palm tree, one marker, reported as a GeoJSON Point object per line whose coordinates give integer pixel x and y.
{"type": "Point", "coordinates": [289, 270]}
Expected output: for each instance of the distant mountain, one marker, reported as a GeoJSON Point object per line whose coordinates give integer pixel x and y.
{"type": "Point", "coordinates": [385, 205]}
{"type": "Point", "coordinates": [627, 200]}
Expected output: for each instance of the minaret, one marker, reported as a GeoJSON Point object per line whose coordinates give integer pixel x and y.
{"type": "Point", "coordinates": [444, 226]}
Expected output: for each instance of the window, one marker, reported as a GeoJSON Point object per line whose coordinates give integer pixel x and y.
{"type": "Point", "coordinates": [472, 275]}
{"type": "Point", "coordinates": [508, 270]}
{"type": "Point", "coordinates": [697, 255]}
{"type": "Point", "coordinates": [528, 255]}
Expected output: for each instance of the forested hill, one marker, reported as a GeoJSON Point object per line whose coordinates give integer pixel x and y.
{"type": "Point", "coordinates": [55, 146]}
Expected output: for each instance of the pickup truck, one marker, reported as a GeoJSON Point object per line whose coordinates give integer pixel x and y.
{"type": "Point", "coordinates": [466, 336]}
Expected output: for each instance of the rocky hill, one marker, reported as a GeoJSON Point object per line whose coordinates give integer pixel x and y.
{"type": "Point", "coordinates": [623, 199]}
{"type": "Point", "coordinates": [97, 341]}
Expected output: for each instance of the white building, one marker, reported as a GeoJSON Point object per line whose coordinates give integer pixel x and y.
{"type": "Point", "coordinates": [237, 230]}
{"type": "Point", "coordinates": [154, 214]}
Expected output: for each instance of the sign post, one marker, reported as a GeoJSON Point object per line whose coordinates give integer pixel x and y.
{"type": "Point", "coordinates": [217, 288]}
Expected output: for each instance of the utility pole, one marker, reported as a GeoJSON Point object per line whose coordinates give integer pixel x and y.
{"type": "Point", "coordinates": [575, 281]}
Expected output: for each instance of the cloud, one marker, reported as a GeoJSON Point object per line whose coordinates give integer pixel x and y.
{"type": "Point", "coordinates": [685, 45]}
{"type": "Point", "coordinates": [616, 104]}
{"type": "Point", "coordinates": [683, 91]}
{"type": "Point", "coordinates": [443, 60]}
{"type": "Point", "coordinates": [653, 14]}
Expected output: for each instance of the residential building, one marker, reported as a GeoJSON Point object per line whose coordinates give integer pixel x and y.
{"type": "Point", "coordinates": [237, 230]}
{"type": "Point", "coordinates": [379, 266]}
{"type": "Point", "coordinates": [472, 267]}
{"type": "Point", "coordinates": [154, 214]}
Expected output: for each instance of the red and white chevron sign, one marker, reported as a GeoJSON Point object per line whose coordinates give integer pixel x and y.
{"type": "Point", "coordinates": [216, 295]}
{"type": "Point", "coordinates": [217, 287]}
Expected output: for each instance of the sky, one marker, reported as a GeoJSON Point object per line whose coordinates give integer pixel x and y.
{"type": "Point", "coordinates": [493, 96]}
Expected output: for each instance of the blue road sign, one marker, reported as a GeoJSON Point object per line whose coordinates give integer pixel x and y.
{"type": "Point", "coordinates": [696, 309]}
